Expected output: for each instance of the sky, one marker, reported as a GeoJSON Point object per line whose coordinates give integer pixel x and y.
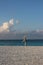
{"type": "Point", "coordinates": [29, 14]}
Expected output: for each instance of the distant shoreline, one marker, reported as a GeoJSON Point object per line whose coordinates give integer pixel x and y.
{"type": "Point", "coordinates": [20, 39]}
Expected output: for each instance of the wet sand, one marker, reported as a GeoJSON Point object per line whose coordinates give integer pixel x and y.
{"type": "Point", "coordinates": [21, 55]}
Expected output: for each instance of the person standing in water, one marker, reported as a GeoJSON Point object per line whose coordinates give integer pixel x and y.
{"type": "Point", "coordinates": [24, 40]}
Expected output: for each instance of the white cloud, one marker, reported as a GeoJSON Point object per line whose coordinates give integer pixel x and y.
{"type": "Point", "coordinates": [8, 26]}
{"type": "Point", "coordinates": [11, 22]}
{"type": "Point", "coordinates": [5, 27]}
{"type": "Point", "coordinates": [17, 22]}
{"type": "Point", "coordinates": [39, 31]}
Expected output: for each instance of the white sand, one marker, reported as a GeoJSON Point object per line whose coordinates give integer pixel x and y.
{"type": "Point", "coordinates": [21, 55]}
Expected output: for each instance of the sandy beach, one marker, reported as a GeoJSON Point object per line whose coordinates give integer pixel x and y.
{"type": "Point", "coordinates": [21, 55]}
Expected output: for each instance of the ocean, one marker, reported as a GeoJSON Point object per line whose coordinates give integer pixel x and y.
{"type": "Point", "coordinates": [20, 43]}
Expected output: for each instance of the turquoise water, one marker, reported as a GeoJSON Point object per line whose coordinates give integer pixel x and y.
{"type": "Point", "coordinates": [20, 43]}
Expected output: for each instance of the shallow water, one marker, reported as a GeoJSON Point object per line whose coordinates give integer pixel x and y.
{"type": "Point", "coordinates": [20, 43]}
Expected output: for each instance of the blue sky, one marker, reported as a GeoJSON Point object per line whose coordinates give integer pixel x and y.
{"type": "Point", "coordinates": [28, 12]}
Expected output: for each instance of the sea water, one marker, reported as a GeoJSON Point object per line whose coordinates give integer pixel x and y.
{"type": "Point", "coordinates": [20, 43]}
